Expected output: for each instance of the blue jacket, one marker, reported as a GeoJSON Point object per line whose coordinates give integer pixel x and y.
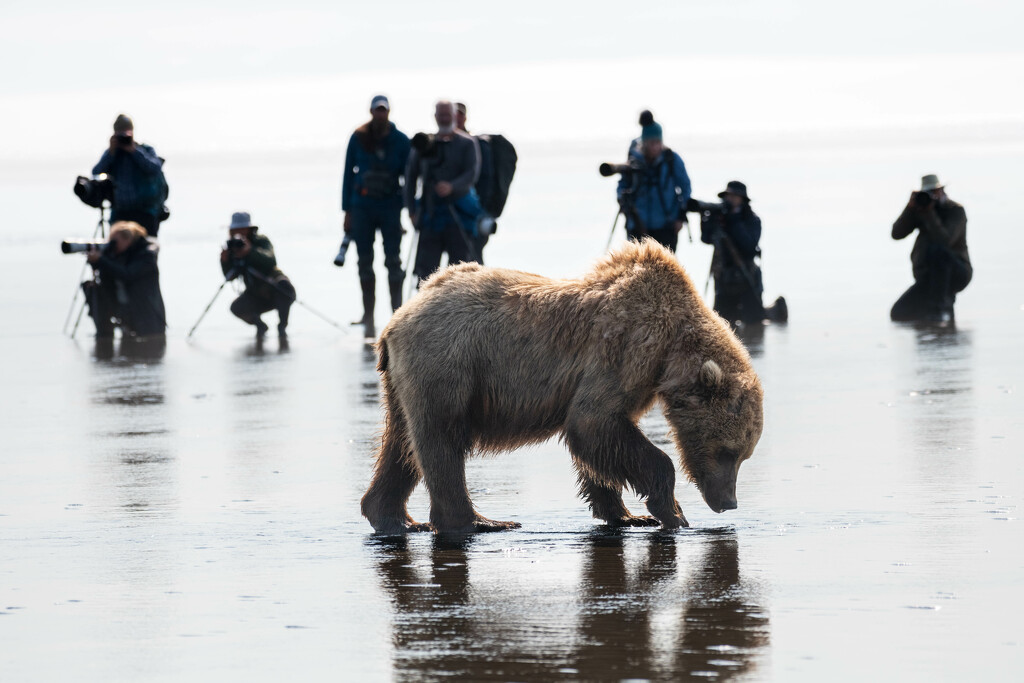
{"type": "Point", "coordinates": [386, 160]}
{"type": "Point", "coordinates": [139, 183]}
{"type": "Point", "coordinates": [659, 190]}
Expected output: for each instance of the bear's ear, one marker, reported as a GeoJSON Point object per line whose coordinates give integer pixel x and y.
{"type": "Point", "coordinates": [711, 374]}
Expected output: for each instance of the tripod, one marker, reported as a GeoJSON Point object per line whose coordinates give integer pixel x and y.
{"type": "Point", "coordinates": [100, 230]}
{"type": "Point", "coordinates": [236, 271]}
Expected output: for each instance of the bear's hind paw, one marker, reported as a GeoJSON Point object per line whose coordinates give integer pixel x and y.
{"type": "Point", "coordinates": [484, 524]}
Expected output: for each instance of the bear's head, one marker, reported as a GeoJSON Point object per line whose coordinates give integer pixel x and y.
{"type": "Point", "coordinates": [716, 417]}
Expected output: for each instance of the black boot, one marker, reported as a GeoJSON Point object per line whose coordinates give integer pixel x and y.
{"type": "Point", "coordinates": [369, 286]}
{"type": "Point", "coordinates": [396, 294]}
{"type": "Point", "coordinates": [778, 312]}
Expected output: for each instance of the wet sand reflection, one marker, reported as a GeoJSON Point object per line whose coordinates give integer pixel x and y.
{"type": "Point", "coordinates": [649, 606]}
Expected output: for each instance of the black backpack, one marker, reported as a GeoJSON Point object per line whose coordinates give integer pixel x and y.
{"type": "Point", "coordinates": [498, 165]}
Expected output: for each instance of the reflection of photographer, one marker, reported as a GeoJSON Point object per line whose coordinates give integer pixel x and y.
{"type": "Point", "coordinates": [251, 256]}
{"type": "Point", "coordinates": [140, 188]}
{"type": "Point", "coordinates": [126, 289]}
{"type": "Point", "coordinates": [371, 197]}
{"type": "Point", "coordinates": [654, 188]}
{"type": "Point", "coordinates": [448, 209]}
{"type": "Point", "coordinates": [735, 230]}
{"type": "Point", "coordinates": [942, 266]}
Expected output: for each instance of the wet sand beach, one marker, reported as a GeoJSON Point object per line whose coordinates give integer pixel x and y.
{"type": "Point", "coordinates": [192, 512]}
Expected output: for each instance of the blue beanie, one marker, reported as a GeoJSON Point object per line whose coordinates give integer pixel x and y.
{"type": "Point", "coordinates": [651, 132]}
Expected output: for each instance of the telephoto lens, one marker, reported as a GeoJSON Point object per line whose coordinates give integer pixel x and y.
{"type": "Point", "coordinates": [69, 247]}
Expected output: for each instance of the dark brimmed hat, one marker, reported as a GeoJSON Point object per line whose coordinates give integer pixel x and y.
{"type": "Point", "coordinates": [240, 220]}
{"type": "Point", "coordinates": [737, 188]}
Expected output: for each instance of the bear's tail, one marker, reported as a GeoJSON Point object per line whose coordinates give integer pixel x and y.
{"type": "Point", "coordinates": [382, 355]}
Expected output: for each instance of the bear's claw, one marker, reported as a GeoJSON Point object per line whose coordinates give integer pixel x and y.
{"type": "Point", "coordinates": [484, 524]}
{"type": "Point", "coordinates": [635, 520]}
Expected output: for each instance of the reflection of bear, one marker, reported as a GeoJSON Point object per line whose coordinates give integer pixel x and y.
{"type": "Point", "coordinates": [493, 359]}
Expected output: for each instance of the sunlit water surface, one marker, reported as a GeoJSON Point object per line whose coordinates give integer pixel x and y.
{"type": "Point", "coordinates": [193, 514]}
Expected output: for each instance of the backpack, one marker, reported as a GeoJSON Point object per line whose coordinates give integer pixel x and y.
{"type": "Point", "coordinates": [498, 165]}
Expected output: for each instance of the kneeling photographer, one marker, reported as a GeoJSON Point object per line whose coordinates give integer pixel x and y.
{"type": "Point", "coordinates": [735, 230]}
{"type": "Point", "coordinates": [125, 289]}
{"type": "Point", "coordinates": [653, 190]}
{"type": "Point", "coordinates": [250, 256]}
{"type": "Point", "coordinates": [942, 266]}
{"type": "Point", "coordinates": [139, 185]}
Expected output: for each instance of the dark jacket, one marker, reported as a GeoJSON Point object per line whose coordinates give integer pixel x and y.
{"type": "Point", "coordinates": [743, 229]}
{"type": "Point", "coordinates": [139, 183]}
{"type": "Point", "coordinates": [132, 280]}
{"type": "Point", "coordinates": [658, 191]}
{"type": "Point", "coordinates": [260, 259]}
{"type": "Point", "coordinates": [379, 161]}
{"type": "Point", "coordinates": [943, 224]}
{"type": "Point", "coordinates": [456, 161]}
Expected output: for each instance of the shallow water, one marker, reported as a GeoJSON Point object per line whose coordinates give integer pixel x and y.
{"type": "Point", "coordinates": [194, 513]}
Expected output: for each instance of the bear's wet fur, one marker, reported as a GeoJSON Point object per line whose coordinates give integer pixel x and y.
{"type": "Point", "coordinates": [488, 359]}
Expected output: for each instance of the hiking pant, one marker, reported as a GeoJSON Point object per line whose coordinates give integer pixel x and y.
{"type": "Point", "coordinates": [450, 239]}
{"type": "Point", "coordinates": [945, 275]}
{"type": "Point", "coordinates": [250, 305]}
{"type": "Point", "coordinates": [103, 306]}
{"type": "Point", "coordinates": [667, 237]}
{"type": "Point", "coordinates": [365, 223]}
{"type": "Point", "coordinates": [735, 298]}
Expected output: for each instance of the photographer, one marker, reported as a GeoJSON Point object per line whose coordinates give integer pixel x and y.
{"type": "Point", "coordinates": [448, 208]}
{"type": "Point", "coordinates": [251, 256]}
{"type": "Point", "coordinates": [126, 289]}
{"type": "Point", "coordinates": [653, 195]}
{"type": "Point", "coordinates": [941, 264]}
{"type": "Point", "coordinates": [735, 230]}
{"type": "Point", "coordinates": [140, 188]}
{"type": "Point", "coordinates": [371, 197]}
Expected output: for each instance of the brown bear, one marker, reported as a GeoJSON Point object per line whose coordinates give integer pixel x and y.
{"type": "Point", "coordinates": [486, 359]}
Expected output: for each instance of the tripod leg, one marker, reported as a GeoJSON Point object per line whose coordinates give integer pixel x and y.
{"type": "Point", "coordinates": [612, 235]}
{"type": "Point", "coordinates": [81, 310]}
{"type": "Point", "coordinates": [205, 310]}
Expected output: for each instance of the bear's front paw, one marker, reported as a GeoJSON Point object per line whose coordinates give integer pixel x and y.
{"type": "Point", "coordinates": [634, 520]}
{"type": "Point", "coordinates": [675, 522]}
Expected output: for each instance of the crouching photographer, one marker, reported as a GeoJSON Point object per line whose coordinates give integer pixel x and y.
{"type": "Point", "coordinates": [735, 230]}
{"type": "Point", "coordinates": [125, 289]}
{"type": "Point", "coordinates": [250, 256]}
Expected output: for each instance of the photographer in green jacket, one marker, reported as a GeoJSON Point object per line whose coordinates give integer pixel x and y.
{"type": "Point", "coordinates": [250, 256]}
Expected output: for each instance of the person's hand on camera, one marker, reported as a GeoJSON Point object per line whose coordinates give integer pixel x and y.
{"type": "Point", "coordinates": [93, 255]}
{"type": "Point", "coordinates": [243, 251]}
{"type": "Point", "coordinates": [443, 189]}
{"type": "Point", "coordinates": [347, 223]}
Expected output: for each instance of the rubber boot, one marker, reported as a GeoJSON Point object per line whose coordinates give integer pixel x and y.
{"type": "Point", "coordinates": [396, 294]}
{"type": "Point", "coordinates": [778, 312]}
{"type": "Point", "coordinates": [369, 287]}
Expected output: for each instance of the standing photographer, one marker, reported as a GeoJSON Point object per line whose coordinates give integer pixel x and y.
{"type": "Point", "coordinates": [126, 291]}
{"type": "Point", "coordinates": [941, 264]}
{"type": "Point", "coordinates": [371, 197]}
{"type": "Point", "coordinates": [139, 185]}
{"type": "Point", "coordinates": [735, 230]}
{"type": "Point", "coordinates": [251, 256]}
{"type": "Point", "coordinates": [448, 208]}
{"type": "Point", "coordinates": [654, 193]}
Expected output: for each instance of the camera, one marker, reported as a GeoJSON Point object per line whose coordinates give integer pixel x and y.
{"type": "Point", "coordinates": [922, 199]}
{"type": "Point", "coordinates": [123, 139]}
{"type": "Point", "coordinates": [234, 243]}
{"type": "Point", "coordinates": [607, 169]}
{"type": "Point", "coordinates": [339, 260]}
{"type": "Point", "coordinates": [69, 247]}
{"type": "Point", "coordinates": [425, 144]}
{"type": "Point", "coordinates": [94, 191]}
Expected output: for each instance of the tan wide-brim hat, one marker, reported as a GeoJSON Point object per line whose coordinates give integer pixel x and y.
{"type": "Point", "coordinates": [930, 182]}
